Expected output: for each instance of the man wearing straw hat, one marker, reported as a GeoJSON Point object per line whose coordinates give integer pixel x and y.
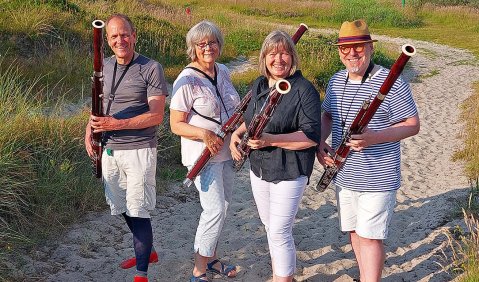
{"type": "Point", "coordinates": [367, 183]}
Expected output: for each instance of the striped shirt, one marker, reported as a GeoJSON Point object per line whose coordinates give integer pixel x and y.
{"type": "Point", "coordinates": [377, 167]}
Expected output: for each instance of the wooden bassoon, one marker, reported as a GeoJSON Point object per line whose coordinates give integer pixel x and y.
{"type": "Point", "coordinates": [260, 120]}
{"type": "Point", "coordinates": [97, 94]}
{"type": "Point", "coordinates": [364, 116]}
{"type": "Point", "coordinates": [233, 122]}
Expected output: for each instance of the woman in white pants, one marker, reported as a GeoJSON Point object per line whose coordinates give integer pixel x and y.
{"type": "Point", "coordinates": [282, 159]}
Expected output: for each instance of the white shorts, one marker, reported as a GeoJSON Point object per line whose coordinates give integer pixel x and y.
{"type": "Point", "coordinates": [366, 213]}
{"type": "Point", "coordinates": [129, 180]}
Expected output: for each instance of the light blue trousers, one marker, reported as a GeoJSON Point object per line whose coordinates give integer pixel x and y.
{"type": "Point", "coordinates": [215, 187]}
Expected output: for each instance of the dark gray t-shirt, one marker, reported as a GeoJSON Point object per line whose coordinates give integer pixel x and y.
{"type": "Point", "coordinates": [143, 79]}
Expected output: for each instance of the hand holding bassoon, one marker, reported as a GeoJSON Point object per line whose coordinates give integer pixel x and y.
{"type": "Point", "coordinates": [362, 140]}
{"type": "Point", "coordinates": [228, 127]}
{"type": "Point", "coordinates": [260, 120]}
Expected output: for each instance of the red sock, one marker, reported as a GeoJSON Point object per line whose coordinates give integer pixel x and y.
{"type": "Point", "coordinates": [140, 279]}
{"type": "Point", "coordinates": [129, 263]}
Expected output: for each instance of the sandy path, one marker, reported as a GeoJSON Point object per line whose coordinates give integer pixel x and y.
{"type": "Point", "coordinates": [92, 249]}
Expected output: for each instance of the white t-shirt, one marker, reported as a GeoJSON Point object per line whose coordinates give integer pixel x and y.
{"type": "Point", "coordinates": [192, 90]}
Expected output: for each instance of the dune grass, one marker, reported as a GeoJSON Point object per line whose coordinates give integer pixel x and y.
{"type": "Point", "coordinates": [470, 153]}
{"type": "Point", "coordinates": [45, 178]}
{"type": "Point", "coordinates": [465, 242]}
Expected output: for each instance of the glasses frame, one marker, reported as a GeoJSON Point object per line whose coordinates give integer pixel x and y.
{"type": "Point", "coordinates": [358, 48]}
{"type": "Point", "coordinates": [212, 44]}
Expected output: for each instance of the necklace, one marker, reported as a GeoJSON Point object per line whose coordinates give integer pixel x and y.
{"type": "Point", "coordinates": [366, 75]}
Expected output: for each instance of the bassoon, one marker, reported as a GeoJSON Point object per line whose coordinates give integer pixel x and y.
{"type": "Point", "coordinates": [260, 120]}
{"type": "Point", "coordinates": [363, 117]}
{"type": "Point", "coordinates": [97, 94]}
{"type": "Point", "coordinates": [231, 124]}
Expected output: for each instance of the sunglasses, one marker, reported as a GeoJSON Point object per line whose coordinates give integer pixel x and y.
{"type": "Point", "coordinates": [345, 49]}
{"type": "Point", "coordinates": [212, 44]}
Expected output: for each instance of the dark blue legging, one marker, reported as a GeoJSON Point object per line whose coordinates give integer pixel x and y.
{"type": "Point", "coordinates": [142, 240]}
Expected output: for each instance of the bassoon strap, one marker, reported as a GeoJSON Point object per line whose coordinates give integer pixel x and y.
{"type": "Point", "coordinates": [368, 71]}
{"type": "Point", "coordinates": [213, 81]}
{"type": "Point", "coordinates": [205, 117]}
{"type": "Point", "coordinates": [114, 86]}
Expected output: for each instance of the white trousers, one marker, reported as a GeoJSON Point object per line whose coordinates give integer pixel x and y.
{"type": "Point", "coordinates": [129, 177]}
{"type": "Point", "coordinates": [277, 207]}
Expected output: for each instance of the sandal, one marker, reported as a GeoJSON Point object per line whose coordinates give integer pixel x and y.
{"type": "Point", "coordinates": [201, 278]}
{"type": "Point", "coordinates": [225, 269]}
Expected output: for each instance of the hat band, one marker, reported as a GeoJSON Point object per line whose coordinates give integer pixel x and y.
{"type": "Point", "coordinates": [354, 38]}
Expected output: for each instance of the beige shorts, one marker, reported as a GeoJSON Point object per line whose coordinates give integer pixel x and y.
{"type": "Point", "coordinates": [366, 213]}
{"type": "Point", "coordinates": [129, 180]}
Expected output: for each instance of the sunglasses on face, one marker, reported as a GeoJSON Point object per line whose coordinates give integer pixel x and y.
{"type": "Point", "coordinates": [346, 49]}
{"type": "Point", "coordinates": [211, 44]}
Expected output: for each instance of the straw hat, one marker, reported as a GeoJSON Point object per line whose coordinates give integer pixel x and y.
{"type": "Point", "coordinates": [354, 32]}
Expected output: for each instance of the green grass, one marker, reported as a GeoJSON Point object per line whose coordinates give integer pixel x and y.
{"type": "Point", "coordinates": [243, 81]}
{"type": "Point", "coordinates": [60, 33]}
{"type": "Point", "coordinates": [374, 12]}
{"type": "Point", "coordinates": [457, 26]}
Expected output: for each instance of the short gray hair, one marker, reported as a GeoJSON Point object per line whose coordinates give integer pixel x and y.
{"type": "Point", "coordinates": [274, 40]}
{"type": "Point", "coordinates": [200, 31]}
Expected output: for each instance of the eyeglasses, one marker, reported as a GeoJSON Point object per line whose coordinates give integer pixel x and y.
{"type": "Point", "coordinates": [345, 49]}
{"type": "Point", "coordinates": [212, 44]}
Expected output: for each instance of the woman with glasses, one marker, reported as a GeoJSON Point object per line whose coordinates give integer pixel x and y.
{"type": "Point", "coordinates": [203, 99]}
{"type": "Point", "coordinates": [282, 159]}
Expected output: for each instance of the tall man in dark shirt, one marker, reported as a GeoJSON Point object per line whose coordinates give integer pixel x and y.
{"type": "Point", "coordinates": [135, 92]}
